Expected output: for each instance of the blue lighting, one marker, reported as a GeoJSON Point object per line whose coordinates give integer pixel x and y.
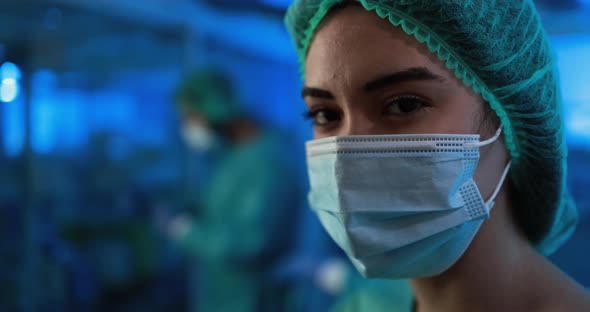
{"type": "Point", "coordinates": [10, 71]}
{"type": "Point", "coordinates": [9, 86]}
{"type": "Point", "coordinates": [43, 121]}
{"type": "Point", "coordinates": [574, 67]}
{"type": "Point", "coordinates": [282, 4]}
{"type": "Point", "coordinates": [8, 90]}
{"type": "Point", "coordinates": [13, 127]}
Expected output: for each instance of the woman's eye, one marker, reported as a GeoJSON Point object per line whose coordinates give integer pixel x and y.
{"type": "Point", "coordinates": [405, 105]}
{"type": "Point", "coordinates": [322, 117]}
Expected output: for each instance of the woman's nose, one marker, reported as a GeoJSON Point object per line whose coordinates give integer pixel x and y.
{"type": "Point", "coordinates": [356, 124]}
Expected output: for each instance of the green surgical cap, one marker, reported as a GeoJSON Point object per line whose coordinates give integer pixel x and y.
{"type": "Point", "coordinates": [208, 93]}
{"type": "Point", "coordinates": [500, 49]}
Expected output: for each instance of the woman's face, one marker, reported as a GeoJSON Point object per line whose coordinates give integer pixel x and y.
{"type": "Point", "coordinates": [367, 77]}
{"type": "Point", "coordinates": [364, 76]}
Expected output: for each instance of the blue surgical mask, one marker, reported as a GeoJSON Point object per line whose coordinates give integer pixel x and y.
{"type": "Point", "coordinates": [400, 206]}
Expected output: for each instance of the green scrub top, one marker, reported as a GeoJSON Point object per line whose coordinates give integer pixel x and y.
{"type": "Point", "coordinates": [246, 213]}
{"type": "Point", "coordinates": [375, 295]}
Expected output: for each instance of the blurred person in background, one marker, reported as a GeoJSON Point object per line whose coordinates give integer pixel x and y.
{"type": "Point", "coordinates": [404, 96]}
{"type": "Point", "coordinates": [247, 209]}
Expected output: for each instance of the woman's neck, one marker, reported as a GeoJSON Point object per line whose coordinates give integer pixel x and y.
{"type": "Point", "coordinates": [493, 274]}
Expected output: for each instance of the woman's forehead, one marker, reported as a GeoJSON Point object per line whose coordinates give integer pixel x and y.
{"type": "Point", "coordinates": [355, 45]}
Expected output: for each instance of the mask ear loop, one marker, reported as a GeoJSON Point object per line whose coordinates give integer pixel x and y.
{"type": "Point", "coordinates": [490, 202]}
{"type": "Point", "coordinates": [486, 142]}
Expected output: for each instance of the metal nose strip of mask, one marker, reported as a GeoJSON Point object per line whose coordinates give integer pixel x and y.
{"type": "Point", "coordinates": [385, 144]}
{"type": "Point", "coordinates": [368, 147]}
{"type": "Point", "coordinates": [389, 138]}
{"type": "Point", "coordinates": [376, 142]}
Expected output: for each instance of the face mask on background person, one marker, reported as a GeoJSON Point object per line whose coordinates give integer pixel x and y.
{"type": "Point", "coordinates": [400, 206]}
{"type": "Point", "coordinates": [198, 137]}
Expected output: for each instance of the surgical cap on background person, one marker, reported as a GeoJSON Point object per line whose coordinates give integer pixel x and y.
{"type": "Point", "coordinates": [208, 93]}
{"type": "Point", "coordinates": [501, 51]}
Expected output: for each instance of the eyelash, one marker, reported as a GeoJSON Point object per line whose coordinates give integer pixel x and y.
{"type": "Point", "coordinates": [422, 104]}
{"type": "Point", "coordinates": [309, 114]}
{"type": "Point", "coordinates": [313, 115]}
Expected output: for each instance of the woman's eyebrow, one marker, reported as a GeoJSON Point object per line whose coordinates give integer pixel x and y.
{"type": "Point", "coordinates": [315, 92]}
{"type": "Point", "coordinates": [410, 74]}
